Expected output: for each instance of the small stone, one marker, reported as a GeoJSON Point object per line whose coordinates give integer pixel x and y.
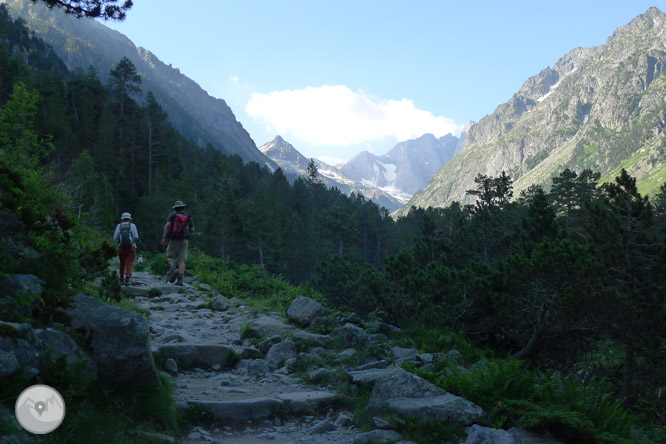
{"type": "Point", "coordinates": [194, 435]}
{"type": "Point", "coordinates": [171, 366]}
{"type": "Point", "coordinates": [344, 419]}
{"type": "Point", "coordinates": [323, 427]}
{"type": "Point", "coordinates": [381, 423]}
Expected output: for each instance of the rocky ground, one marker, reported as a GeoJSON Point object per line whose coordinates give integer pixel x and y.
{"type": "Point", "coordinates": [254, 403]}
{"type": "Point", "coordinates": [240, 366]}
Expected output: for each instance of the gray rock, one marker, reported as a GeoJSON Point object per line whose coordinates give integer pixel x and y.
{"type": "Point", "coordinates": [323, 427]}
{"type": "Point", "coordinates": [410, 396]}
{"type": "Point", "coordinates": [373, 365]}
{"type": "Point", "coordinates": [402, 353]}
{"type": "Point", "coordinates": [304, 339]}
{"type": "Point", "coordinates": [303, 311]}
{"type": "Point", "coordinates": [198, 355]}
{"type": "Point", "coordinates": [171, 366]}
{"type": "Point", "coordinates": [9, 363]}
{"type": "Point", "coordinates": [344, 355]}
{"type": "Point", "coordinates": [258, 367]}
{"type": "Point", "coordinates": [344, 419]}
{"type": "Point", "coordinates": [351, 336]}
{"type": "Point", "coordinates": [400, 384]}
{"type": "Point", "coordinates": [443, 408]}
{"type": "Point", "coordinates": [205, 287]}
{"type": "Point", "coordinates": [267, 326]}
{"type": "Point", "coordinates": [377, 437]}
{"type": "Point", "coordinates": [221, 303]}
{"type": "Point", "coordinates": [380, 423]}
{"type": "Point", "coordinates": [367, 378]}
{"type": "Point", "coordinates": [61, 344]}
{"type": "Point", "coordinates": [321, 376]}
{"type": "Point", "coordinates": [477, 434]}
{"type": "Point", "coordinates": [279, 353]}
{"type": "Point", "coordinates": [119, 340]}
{"type": "Point", "coordinates": [21, 294]}
{"type": "Point", "coordinates": [249, 353]}
{"type": "Point", "coordinates": [171, 307]}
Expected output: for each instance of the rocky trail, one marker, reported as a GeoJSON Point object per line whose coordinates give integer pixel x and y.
{"type": "Point", "coordinates": [244, 375]}
{"type": "Point", "coordinates": [240, 366]}
{"type": "Point", "coordinates": [252, 399]}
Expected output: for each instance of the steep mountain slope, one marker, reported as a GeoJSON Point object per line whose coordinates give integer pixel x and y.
{"type": "Point", "coordinates": [82, 43]}
{"type": "Point", "coordinates": [405, 169]}
{"type": "Point", "coordinates": [602, 108]}
{"type": "Point", "coordinates": [294, 164]}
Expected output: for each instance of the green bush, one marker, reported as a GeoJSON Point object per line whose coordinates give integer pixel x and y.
{"type": "Point", "coordinates": [515, 394]}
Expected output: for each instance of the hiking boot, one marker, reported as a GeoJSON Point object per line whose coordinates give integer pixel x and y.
{"type": "Point", "coordinates": [127, 280]}
{"type": "Point", "coordinates": [173, 273]}
{"type": "Point", "coordinates": [180, 279]}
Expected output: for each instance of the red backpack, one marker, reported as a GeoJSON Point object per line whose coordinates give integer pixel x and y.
{"type": "Point", "coordinates": [180, 224]}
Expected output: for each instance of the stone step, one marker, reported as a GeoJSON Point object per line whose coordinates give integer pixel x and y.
{"type": "Point", "coordinates": [295, 403]}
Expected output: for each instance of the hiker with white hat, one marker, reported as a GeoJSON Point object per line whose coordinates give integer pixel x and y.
{"type": "Point", "coordinates": [178, 226]}
{"type": "Point", "coordinates": [126, 235]}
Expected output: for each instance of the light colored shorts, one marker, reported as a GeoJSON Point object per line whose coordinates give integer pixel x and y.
{"type": "Point", "coordinates": [177, 249]}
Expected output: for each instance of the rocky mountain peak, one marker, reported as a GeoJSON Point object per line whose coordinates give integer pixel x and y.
{"type": "Point", "coordinates": [599, 108]}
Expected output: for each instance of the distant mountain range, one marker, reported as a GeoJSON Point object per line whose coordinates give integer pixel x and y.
{"type": "Point", "coordinates": [602, 108]}
{"type": "Point", "coordinates": [82, 43]}
{"type": "Point", "coordinates": [389, 180]}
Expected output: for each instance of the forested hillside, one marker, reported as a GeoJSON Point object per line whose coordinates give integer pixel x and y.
{"type": "Point", "coordinates": [568, 281]}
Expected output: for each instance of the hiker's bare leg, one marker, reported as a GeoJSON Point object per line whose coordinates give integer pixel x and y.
{"type": "Point", "coordinates": [181, 267]}
{"type": "Point", "coordinates": [170, 262]}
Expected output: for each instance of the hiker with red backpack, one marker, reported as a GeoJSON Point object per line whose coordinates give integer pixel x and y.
{"type": "Point", "coordinates": [178, 226]}
{"type": "Point", "coordinates": [126, 235]}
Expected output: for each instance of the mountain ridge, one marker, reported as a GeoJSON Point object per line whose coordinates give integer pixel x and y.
{"type": "Point", "coordinates": [599, 108]}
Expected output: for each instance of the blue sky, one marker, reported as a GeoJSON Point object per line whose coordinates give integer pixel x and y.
{"type": "Point", "coordinates": [335, 78]}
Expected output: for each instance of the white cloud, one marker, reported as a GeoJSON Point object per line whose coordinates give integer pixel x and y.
{"type": "Point", "coordinates": [234, 79]}
{"type": "Point", "coordinates": [336, 115]}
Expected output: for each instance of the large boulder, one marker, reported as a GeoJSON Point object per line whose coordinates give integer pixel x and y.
{"type": "Point", "coordinates": [351, 336]}
{"type": "Point", "coordinates": [119, 340]}
{"type": "Point", "coordinates": [400, 384]}
{"type": "Point", "coordinates": [59, 344]}
{"type": "Point", "coordinates": [304, 310]}
{"type": "Point", "coordinates": [280, 353]}
{"type": "Point", "coordinates": [410, 396]}
{"type": "Point", "coordinates": [23, 349]}
{"type": "Point", "coordinates": [266, 326]}
{"type": "Point", "coordinates": [20, 294]}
